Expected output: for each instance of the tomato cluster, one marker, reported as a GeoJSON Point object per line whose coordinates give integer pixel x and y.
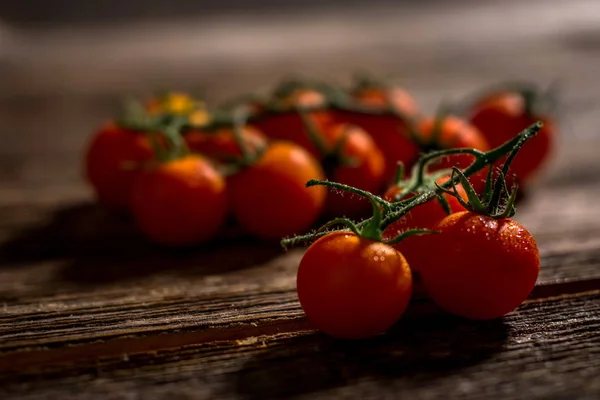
{"type": "Point", "coordinates": [181, 180]}
{"type": "Point", "coordinates": [183, 170]}
{"type": "Point", "coordinates": [301, 130]}
{"type": "Point", "coordinates": [473, 260]}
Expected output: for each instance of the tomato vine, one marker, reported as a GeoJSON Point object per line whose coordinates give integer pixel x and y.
{"type": "Point", "coordinates": [386, 213]}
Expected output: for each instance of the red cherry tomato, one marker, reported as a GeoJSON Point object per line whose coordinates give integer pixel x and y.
{"type": "Point", "coordinates": [289, 125]}
{"type": "Point", "coordinates": [270, 199]}
{"type": "Point", "coordinates": [500, 117]}
{"type": "Point", "coordinates": [180, 202]}
{"type": "Point", "coordinates": [220, 145]}
{"type": "Point", "coordinates": [423, 216]}
{"type": "Point", "coordinates": [350, 287]}
{"type": "Point", "coordinates": [391, 133]}
{"type": "Point", "coordinates": [113, 161]}
{"type": "Point", "coordinates": [479, 267]}
{"type": "Point", "coordinates": [365, 171]}
{"type": "Point", "coordinates": [453, 133]}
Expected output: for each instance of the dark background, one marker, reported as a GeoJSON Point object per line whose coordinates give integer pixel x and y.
{"type": "Point", "coordinates": [31, 13]}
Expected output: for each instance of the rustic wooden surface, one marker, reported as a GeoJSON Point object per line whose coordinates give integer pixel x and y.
{"type": "Point", "coordinates": [88, 309]}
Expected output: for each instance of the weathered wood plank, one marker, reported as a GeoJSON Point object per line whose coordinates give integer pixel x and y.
{"type": "Point", "coordinates": [87, 308]}
{"type": "Point", "coordinates": [197, 302]}
{"type": "Point", "coordinates": [548, 349]}
{"type": "Point", "coordinates": [85, 275]}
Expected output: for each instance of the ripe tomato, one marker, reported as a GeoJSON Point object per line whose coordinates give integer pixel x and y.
{"type": "Point", "coordinates": [220, 144]}
{"type": "Point", "coordinates": [350, 287]}
{"type": "Point", "coordinates": [173, 102]}
{"type": "Point", "coordinates": [480, 268]}
{"type": "Point", "coordinates": [423, 216]}
{"type": "Point", "coordinates": [180, 202]}
{"type": "Point", "coordinates": [365, 171]}
{"type": "Point", "coordinates": [501, 116]}
{"type": "Point", "coordinates": [289, 125]}
{"type": "Point", "coordinates": [269, 199]}
{"type": "Point", "coordinates": [380, 96]}
{"type": "Point", "coordinates": [391, 133]}
{"type": "Point", "coordinates": [113, 160]}
{"type": "Point", "coordinates": [454, 133]}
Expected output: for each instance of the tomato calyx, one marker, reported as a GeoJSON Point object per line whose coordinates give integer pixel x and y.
{"type": "Point", "coordinates": [236, 120]}
{"type": "Point", "coordinates": [174, 103]}
{"type": "Point", "coordinates": [293, 94]}
{"type": "Point", "coordinates": [497, 201]}
{"type": "Point", "coordinates": [331, 156]}
{"type": "Point", "coordinates": [370, 229]}
{"type": "Point", "coordinates": [386, 213]}
{"type": "Point", "coordinates": [161, 125]}
{"type": "Point", "coordinates": [420, 182]}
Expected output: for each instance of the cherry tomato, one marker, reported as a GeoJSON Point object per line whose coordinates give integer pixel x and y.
{"type": "Point", "coordinates": [180, 202]}
{"type": "Point", "coordinates": [454, 133]}
{"type": "Point", "coordinates": [180, 104]}
{"type": "Point", "coordinates": [174, 102]}
{"type": "Point", "coordinates": [423, 216]}
{"type": "Point", "coordinates": [289, 125]}
{"type": "Point", "coordinates": [364, 171]}
{"type": "Point", "coordinates": [113, 161]}
{"type": "Point", "coordinates": [501, 116]}
{"type": "Point", "coordinates": [479, 267]}
{"type": "Point", "coordinates": [391, 133]}
{"type": "Point", "coordinates": [394, 96]}
{"type": "Point", "coordinates": [350, 287]}
{"type": "Point", "coordinates": [269, 199]}
{"type": "Point", "coordinates": [220, 144]}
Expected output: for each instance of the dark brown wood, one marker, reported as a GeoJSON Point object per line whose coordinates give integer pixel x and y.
{"type": "Point", "coordinates": [88, 309]}
{"type": "Point", "coordinates": [548, 349]}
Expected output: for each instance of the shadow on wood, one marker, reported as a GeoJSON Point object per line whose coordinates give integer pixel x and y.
{"type": "Point", "coordinates": [417, 351]}
{"type": "Point", "coordinates": [100, 247]}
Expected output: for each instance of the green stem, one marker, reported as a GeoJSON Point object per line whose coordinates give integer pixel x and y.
{"type": "Point", "coordinates": [313, 132]}
{"type": "Point", "coordinates": [291, 242]}
{"type": "Point", "coordinates": [363, 193]}
{"type": "Point", "coordinates": [176, 143]}
{"type": "Point", "coordinates": [238, 121]}
{"type": "Point", "coordinates": [408, 233]}
{"type": "Point", "coordinates": [481, 160]}
{"type": "Point", "coordinates": [372, 230]}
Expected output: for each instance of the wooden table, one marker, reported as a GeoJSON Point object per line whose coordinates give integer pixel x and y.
{"type": "Point", "coordinates": [89, 310]}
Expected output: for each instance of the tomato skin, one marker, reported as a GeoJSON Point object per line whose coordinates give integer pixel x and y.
{"type": "Point", "coordinates": [269, 199]}
{"type": "Point", "coordinates": [352, 288]}
{"type": "Point", "coordinates": [396, 97]}
{"type": "Point", "coordinates": [181, 202]}
{"type": "Point", "coordinates": [390, 133]}
{"type": "Point", "coordinates": [482, 268]}
{"type": "Point", "coordinates": [367, 173]}
{"type": "Point", "coordinates": [113, 161]}
{"type": "Point", "coordinates": [423, 216]}
{"type": "Point", "coordinates": [220, 145]}
{"type": "Point", "coordinates": [455, 132]}
{"type": "Point", "coordinates": [500, 117]}
{"type": "Point", "coordinates": [289, 126]}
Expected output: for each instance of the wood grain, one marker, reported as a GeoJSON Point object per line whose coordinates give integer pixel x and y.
{"type": "Point", "coordinates": [87, 275]}
{"type": "Point", "coordinates": [89, 310]}
{"type": "Point", "coordinates": [548, 349]}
